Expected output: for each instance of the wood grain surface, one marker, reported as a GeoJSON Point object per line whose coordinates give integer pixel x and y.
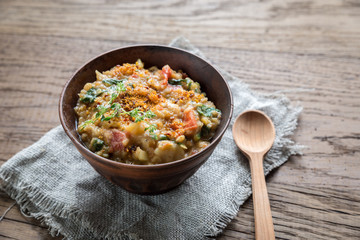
{"type": "Point", "coordinates": [307, 50]}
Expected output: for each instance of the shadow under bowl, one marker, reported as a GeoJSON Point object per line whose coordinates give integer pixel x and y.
{"type": "Point", "coordinates": [147, 179]}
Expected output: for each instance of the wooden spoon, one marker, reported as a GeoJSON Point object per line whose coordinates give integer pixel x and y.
{"type": "Point", "coordinates": [254, 134]}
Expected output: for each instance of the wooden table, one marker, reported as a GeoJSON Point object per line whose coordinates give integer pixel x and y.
{"type": "Point", "coordinates": [309, 50]}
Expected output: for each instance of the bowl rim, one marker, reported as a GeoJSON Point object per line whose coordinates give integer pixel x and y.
{"type": "Point", "coordinates": [110, 162]}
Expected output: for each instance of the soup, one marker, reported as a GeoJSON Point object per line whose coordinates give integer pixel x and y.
{"type": "Point", "coordinates": [145, 116]}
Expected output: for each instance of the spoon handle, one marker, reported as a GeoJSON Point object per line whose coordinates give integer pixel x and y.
{"type": "Point", "coordinates": [264, 228]}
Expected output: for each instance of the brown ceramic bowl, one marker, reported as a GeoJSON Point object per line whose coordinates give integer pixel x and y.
{"type": "Point", "coordinates": [147, 179]}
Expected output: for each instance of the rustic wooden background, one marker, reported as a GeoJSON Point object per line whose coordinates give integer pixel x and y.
{"type": "Point", "coordinates": [309, 50]}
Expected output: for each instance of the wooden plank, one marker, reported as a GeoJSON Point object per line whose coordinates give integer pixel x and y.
{"type": "Point", "coordinates": [19, 230]}
{"type": "Point", "coordinates": [292, 26]}
{"type": "Point", "coordinates": [303, 213]}
{"type": "Point", "coordinates": [17, 226]}
{"type": "Point", "coordinates": [14, 214]}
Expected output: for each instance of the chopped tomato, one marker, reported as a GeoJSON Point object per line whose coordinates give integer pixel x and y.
{"type": "Point", "coordinates": [118, 140]}
{"type": "Point", "coordinates": [190, 122]}
{"type": "Point", "coordinates": [166, 71]}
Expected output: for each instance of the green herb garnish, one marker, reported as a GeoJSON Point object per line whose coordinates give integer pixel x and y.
{"type": "Point", "coordinates": [117, 110]}
{"type": "Point", "coordinates": [115, 91]}
{"type": "Point", "coordinates": [116, 107]}
{"type": "Point", "coordinates": [101, 110]}
{"type": "Point", "coordinates": [139, 115]}
{"type": "Point", "coordinates": [151, 129]}
{"type": "Point", "coordinates": [83, 125]}
{"type": "Point", "coordinates": [206, 111]}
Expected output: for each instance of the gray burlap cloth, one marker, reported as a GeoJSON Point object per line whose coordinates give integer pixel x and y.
{"type": "Point", "coordinates": [52, 182]}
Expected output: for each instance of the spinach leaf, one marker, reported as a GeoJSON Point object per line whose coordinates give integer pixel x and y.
{"type": "Point", "coordinates": [188, 82]}
{"type": "Point", "coordinates": [205, 133]}
{"type": "Point", "coordinates": [111, 81]}
{"type": "Point", "coordinates": [185, 83]}
{"type": "Point", "coordinates": [91, 94]}
{"type": "Point", "coordinates": [206, 111]}
{"type": "Point", "coordinates": [174, 81]}
{"type": "Point", "coordinates": [96, 144]}
{"type": "Point", "coordinates": [197, 137]}
{"type": "Point", "coordinates": [163, 137]}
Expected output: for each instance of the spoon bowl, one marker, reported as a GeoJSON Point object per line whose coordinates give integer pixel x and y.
{"type": "Point", "coordinates": [254, 134]}
{"type": "Point", "coordinates": [253, 131]}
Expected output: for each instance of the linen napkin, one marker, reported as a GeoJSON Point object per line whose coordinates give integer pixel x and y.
{"type": "Point", "coordinates": [52, 182]}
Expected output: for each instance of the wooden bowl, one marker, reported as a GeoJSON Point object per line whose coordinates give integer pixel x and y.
{"type": "Point", "coordinates": [147, 179]}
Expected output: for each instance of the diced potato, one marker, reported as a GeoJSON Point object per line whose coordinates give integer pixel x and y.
{"type": "Point", "coordinates": [87, 86]}
{"type": "Point", "coordinates": [167, 151]}
{"type": "Point", "coordinates": [205, 120]}
{"type": "Point", "coordinates": [141, 155]}
{"type": "Point", "coordinates": [100, 76]}
{"type": "Point", "coordinates": [180, 139]}
{"type": "Point", "coordinates": [195, 87]}
{"type": "Point", "coordinates": [202, 144]}
{"type": "Point", "coordinates": [176, 75]}
{"type": "Point", "coordinates": [139, 64]}
{"type": "Point", "coordinates": [135, 128]}
{"type": "Point", "coordinates": [147, 143]}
